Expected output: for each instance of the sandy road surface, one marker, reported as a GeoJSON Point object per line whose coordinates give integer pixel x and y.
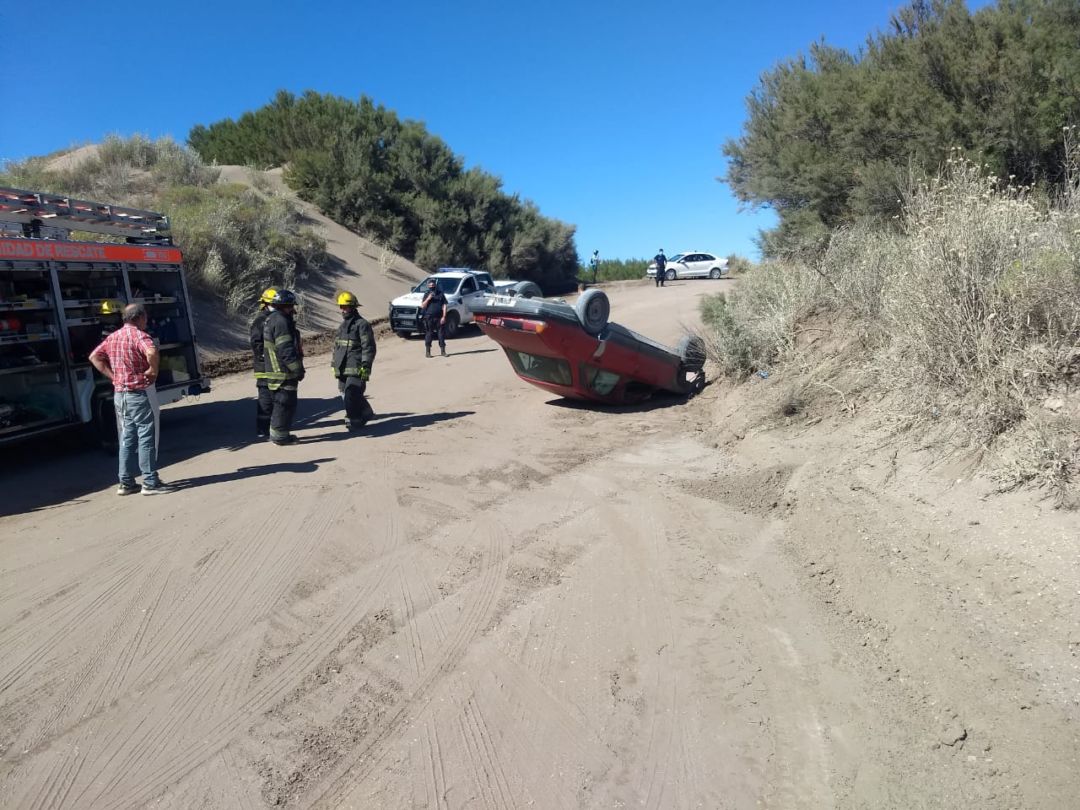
{"type": "Point", "coordinates": [491, 600]}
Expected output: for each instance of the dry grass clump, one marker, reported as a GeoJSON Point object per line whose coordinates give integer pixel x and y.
{"type": "Point", "coordinates": [236, 241]}
{"type": "Point", "coordinates": [968, 311]}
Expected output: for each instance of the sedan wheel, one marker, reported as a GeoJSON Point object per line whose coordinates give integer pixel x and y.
{"type": "Point", "coordinates": [670, 275]}
{"type": "Point", "coordinates": [714, 273]}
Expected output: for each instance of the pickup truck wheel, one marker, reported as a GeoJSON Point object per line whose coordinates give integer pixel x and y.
{"type": "Point", "coordinates": [401, 333]}
{"type": "Point", "coordinates": [670, 275]}
{"type": "Point", "coordinates": [714, 273]}
{"type": "Point", "coordinates": [453, 324]}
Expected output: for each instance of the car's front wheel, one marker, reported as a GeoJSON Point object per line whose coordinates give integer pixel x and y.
{"type": "Point", "coordinates": [714, 273]}
{"type": "Point", "coordinates": [670, 275]}
{"type": "Point", "coordinates": [453, 324]}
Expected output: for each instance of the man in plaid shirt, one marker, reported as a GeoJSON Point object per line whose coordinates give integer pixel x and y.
{"type": "Point", "coordinates": [129, 358]}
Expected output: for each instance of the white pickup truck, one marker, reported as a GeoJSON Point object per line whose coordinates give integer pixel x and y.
{"type": "Point", "coordinates": [461, 286]}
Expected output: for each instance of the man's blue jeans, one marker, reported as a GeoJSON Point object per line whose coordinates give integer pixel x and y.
{"type": "Point", "coordinates": [135, 426]}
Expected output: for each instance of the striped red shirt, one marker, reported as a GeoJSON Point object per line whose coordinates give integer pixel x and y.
{"type": "Point", "coordinates": [126, 349]}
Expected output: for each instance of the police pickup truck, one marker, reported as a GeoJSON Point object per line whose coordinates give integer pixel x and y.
{"type": "Point", "coordinates": [462, 287]}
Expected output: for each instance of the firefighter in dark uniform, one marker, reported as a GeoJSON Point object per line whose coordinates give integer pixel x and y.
{"type": "Point", "coordinates": [283, 364]}
{"type": "Point", "coordinates": [354, 354]}
{"type": "Point", "coordinates": [264, 402]}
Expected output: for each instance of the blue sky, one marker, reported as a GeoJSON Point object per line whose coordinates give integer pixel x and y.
{"type": "Point", "coordinates": [608, 115]}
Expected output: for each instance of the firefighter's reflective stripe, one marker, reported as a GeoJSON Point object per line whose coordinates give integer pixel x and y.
{"type": "Point", "coordinates": [354, 348]}
{"type": "Point", "coordinates": [282, 356]}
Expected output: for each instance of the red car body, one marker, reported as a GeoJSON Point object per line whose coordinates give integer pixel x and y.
{"type": "Point", "coordinates": [549, 347]}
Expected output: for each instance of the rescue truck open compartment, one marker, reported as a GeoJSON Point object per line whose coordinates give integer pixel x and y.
{"type": "Point", "coordinates": [34, 391]}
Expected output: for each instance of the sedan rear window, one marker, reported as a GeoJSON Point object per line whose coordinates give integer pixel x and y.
{"type": "Point", "coordinates": [599, 381]}
{"type": "Point", "coordinates": [545, 369]}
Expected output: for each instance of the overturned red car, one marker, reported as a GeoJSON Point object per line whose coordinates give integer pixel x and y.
{"type": "Point", "coordinates": [575, 352]}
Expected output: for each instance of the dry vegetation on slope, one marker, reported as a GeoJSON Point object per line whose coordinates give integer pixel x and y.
{"type": "Point", "coordinates": [961, 324]}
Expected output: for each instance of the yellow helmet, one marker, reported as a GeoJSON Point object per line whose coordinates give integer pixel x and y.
{"type": "Point", "coordinates": [111, 306]}
{"type": "Point", "coordinates": [347, 299]}
{"type": "Point", "coordinates": [268, 296]}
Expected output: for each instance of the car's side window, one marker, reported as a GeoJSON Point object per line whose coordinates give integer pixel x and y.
{"type": "Point", "coordinates": [705, 257]}
{"type": "Point", "coordinates": [468, 286]}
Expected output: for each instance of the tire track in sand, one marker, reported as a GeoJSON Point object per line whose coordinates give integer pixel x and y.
{"type": "Point", "coordinates": [483, 594]}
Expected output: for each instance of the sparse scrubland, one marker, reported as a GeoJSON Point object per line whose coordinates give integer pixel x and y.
{"type": "Point", "coordinates": [236, 240]}
{"type": "Point", "coordinates": [960, 320]}
{"type": "Point", "coordinates": [615, 270]}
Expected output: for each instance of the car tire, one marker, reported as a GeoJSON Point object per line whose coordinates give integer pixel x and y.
{"type": "Point", "coordinates": [403, 334]}
{"type": "Point", "coordinates": [670, 275]}
{"type": "Point", "coordinates": [715, 273]}
{"type": "Point", "coordinates": [593, 310]}
{"type": "Point", "coordinates": [691, 350]}
{"type": "Point", "coordinates": [453, 324]}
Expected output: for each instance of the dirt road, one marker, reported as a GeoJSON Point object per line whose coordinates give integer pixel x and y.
{"type": "Point", "coordinates": [493, 599]}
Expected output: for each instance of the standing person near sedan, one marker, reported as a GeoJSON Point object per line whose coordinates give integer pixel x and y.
{"type": "Point", "coordinates": [130, 359]}
{"type": "Point", "coordinates": [284, 366]}
{"type": "Point", "coordinates": [661, 267]}
{"type": "Point", "coordinates": [433, 310]}
{"type": "Point", "coordinates": [354, 354]}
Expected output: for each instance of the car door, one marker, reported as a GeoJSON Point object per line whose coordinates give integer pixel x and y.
{"type": "Point", "coordinates": [693, 266]}
{"type": "Point", "coordinates": [707, 263]}
{"type": "Point", "coordinates": [470, 294]}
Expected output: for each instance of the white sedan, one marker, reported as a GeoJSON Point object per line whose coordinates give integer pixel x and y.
{"type": "Point", "coordinates": [691, 265]}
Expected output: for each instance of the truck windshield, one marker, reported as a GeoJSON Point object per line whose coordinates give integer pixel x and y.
{"type": "Point", "coordinates": [448, 286]}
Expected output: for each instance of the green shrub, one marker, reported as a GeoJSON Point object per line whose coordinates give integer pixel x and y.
{"type": "Point", "coordinates": [395, 183]}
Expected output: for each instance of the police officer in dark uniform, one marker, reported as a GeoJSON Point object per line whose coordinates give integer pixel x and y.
{"type": "Point", "coordinates": [354, 354]}
{"type": "Point", "coordinates": [264, 401]}
{"type": "Point", "coordinates": [433, 310]}
{"type": "Point", "coordinates": [661, 267]}
{"type": "Point", "coordinates": [283, 364]}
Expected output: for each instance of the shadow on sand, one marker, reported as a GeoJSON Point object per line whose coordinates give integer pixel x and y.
{"type": "Point", "coordinates": [657, 401]}
{"type": "Point", "coordinates": [44, 473]}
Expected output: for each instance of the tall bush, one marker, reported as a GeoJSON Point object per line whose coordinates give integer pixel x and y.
{"type": "Point", "coordinates": [396, 183]}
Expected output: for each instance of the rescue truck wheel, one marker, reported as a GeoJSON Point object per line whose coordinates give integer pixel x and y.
{"type": "Point", "coordinates": [102, 426]}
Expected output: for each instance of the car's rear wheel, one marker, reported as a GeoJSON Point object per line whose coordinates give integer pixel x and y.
{"type": "Point", "coordinates": [691, 350]}
{"type": "Point", "coordinates": [670, 275]}
{"type": "Point", "coordinates": [453, 324]}
{"type": "Point", "coordinates": [714, 273]}
{"type": "Point", "coordinates": [403, 333]}
{"type": "Point", "coordinates": [593, 310]}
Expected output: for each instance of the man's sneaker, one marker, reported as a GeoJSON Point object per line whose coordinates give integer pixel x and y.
{"type": "Point", "coordinates": [160, 488]}
{"type": "Point", "coordinates": [290, 439]}
{"type": "Point", "coordinates": [127, 489]}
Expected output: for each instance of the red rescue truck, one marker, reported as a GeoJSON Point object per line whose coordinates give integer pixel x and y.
{"type": "Point", "coordinates": [60, 295]}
